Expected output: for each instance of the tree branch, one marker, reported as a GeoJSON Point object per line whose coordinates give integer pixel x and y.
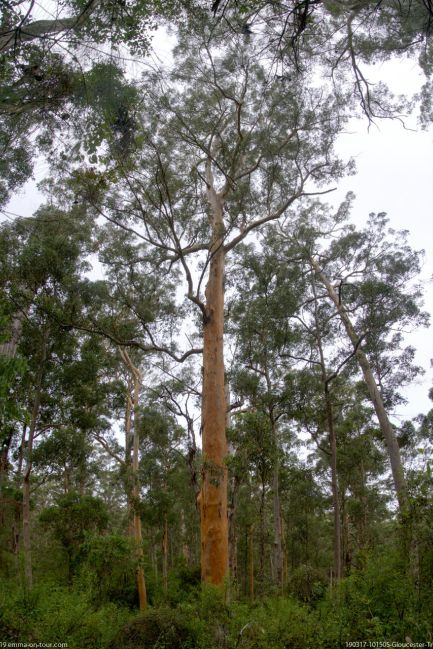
{"type": "Point", "coordinates": [43, 28]}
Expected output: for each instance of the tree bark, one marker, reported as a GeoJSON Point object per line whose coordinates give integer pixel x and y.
{"type": "Point", "coordinates": [141, 584]}
{"type": "Point", "coordinates": [262, 534]}
{"type": "Point", "coordinates": [213, 501]}
{"type": "Point", "coordinates": [4, 463]}
{"type": "Point", "coordinates": [233, 563]}
{"type": "Point", "coordinates": [165, 555]}
{"type": "Point", "coordinates": [251, 563]}
{"type": "Point", "coordinates": [332, 443]}
{"type": "Point", "coordinates": [334, 482]}
{"type": "Point", "coordinates": [136, 520]}
{"type": "Point", "coordinates": [128, 467]}
{"type": "Point", "coordinates": [278, 545]}
{"type": "Point", "coordinates": [9, 348]}
{"type": "Point", "coordinates": [375, 396]}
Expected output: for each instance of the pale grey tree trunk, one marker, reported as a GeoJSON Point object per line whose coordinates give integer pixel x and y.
{"type": "Point", "coordinates": [375, 396]}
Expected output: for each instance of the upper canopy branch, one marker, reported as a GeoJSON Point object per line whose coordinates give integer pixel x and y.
{"type": "Point", "coordinates": [43, 28]}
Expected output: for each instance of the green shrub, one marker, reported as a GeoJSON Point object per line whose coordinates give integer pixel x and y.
{"type": "Point", "coordinates": [376, 602]}
{"type": "Point", "coordinates": [308, 584]}
{"type": "Point", "coordinates": [108, 568]}
{"type": "Point", "coordinates": [49, 614]}
{"type": "Point", "coordinates": [162, 628]}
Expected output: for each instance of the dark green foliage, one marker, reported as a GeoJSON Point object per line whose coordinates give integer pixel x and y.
{"type": "Point", "coordinates": [71, 519]}
{"type": "Point", "coordinates": [57, 614]}
{"type": "Point", "coordinates": [377, 601]}
{"type": "Point", "coordinates": [107, 570]}
{"type": "Point", "coordinates": [156, 629]}
{"type": "Point", "coordinates": [308, 584]}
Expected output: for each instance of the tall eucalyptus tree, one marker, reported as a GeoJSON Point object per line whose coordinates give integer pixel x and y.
{"type": "Point", "coordinates": [222, 150]}
{"type": "Point", "coordinates": [369, 276]}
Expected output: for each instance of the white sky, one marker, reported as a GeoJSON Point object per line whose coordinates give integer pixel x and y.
{"type": "Point", "coordinates": [395, 175]}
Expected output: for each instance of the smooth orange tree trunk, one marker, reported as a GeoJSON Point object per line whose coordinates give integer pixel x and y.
{"type": "Point", "coordinates": [213, 501]}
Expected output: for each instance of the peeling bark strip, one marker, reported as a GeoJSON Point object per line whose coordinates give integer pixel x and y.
{"type": "Point", "coordinates": [213, 501]}
{"type": "Point", "coordinates": [375, 396]}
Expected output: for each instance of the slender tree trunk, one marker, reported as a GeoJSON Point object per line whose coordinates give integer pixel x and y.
{"type": "Point", "coordinates": [154, 558]}
{"type": "Point", "coordinates": [213, 501]}
{"type": "Point", "coordinates": [8, 350]}
{"type": "Point", "coordinates": [17, 525]}
{"type": "Point", "coordinates": [141, 584]}
{"type": "Point", "coordinates": [375, 396]}
{"type": "Point", "coordinates": [186, 553]}
{"type": "Point", "coordinates": [66, 479]}
{"type": "Point", "coordinates": [232, 508]}
{"type": "Point", "coordinates": [278, 545]}
{"type": "Point", "coordinates": [364, 510]}
{"type": "Point", "coordinates": [4, 469]}
{"type": "Point", "coordinates": [332, 443]}
{"type": "Point", "coordinates": [136, 520]}
{"type": "Point", "coordinates": [4, 456]}
{"type": "Point", "coordinates": [347, 549]}
{"type": "Point", "coordinates": [262, 536]}
{"type": "Point", "coordinates": [27, 545]}
{"type": "Point", "coordinates": [251, 563]}
{"type": "Point", "coordinates": [128, 468]}
{"type": "Point", "coordinates": [165, 555]}
{"type": "Point", "coordinates": [285, 557]}
{"type": "Point", "coordinates": [334, 482]}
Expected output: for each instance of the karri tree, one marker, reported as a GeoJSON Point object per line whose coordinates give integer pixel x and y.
{"type": "Point", "coordinates": [222, 150]}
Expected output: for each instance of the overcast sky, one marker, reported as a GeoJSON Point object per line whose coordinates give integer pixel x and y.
{"type": "Point", "coordinates": [395, 175]}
